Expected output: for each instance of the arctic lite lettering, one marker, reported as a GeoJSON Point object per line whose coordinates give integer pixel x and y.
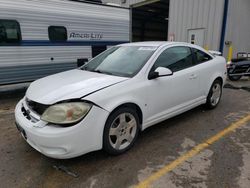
{"type": "Point", "coordinates": [86, 35]}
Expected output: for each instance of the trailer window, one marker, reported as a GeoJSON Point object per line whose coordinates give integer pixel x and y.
{"type": "Point", "coordinates": [10, 32]}
{"type": "Point", "coordinates": [57, 34]}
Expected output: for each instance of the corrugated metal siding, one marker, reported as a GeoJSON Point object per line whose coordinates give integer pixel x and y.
{"type": "Point", "coordinates": [17, 74]}
{"type": "Point", "coordinates": [196, 14]}
{"type": "Point", "coordinates": [193, 14]}
{"type": "Point", "coordinates": [11, 56]}
{"type": "Point", "coordinates": [208, 14]}
{"type": "Point", "coordinates": [238, 26]}
{"type": "Point", "coordinates": [35, 16]}
{"type": "Point", "coordinates": [126, 4]}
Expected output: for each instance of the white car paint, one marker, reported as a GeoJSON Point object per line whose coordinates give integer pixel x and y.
{"type": "Point", "coordinates": [158, 99]}
{"type": "Point", "coordinates": [71, 84]}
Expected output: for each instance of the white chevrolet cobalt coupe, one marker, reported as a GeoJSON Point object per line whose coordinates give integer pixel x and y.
{"type": "Point", "coordinates": [108, 101]}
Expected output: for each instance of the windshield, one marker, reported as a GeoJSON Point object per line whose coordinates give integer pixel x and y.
{"type": "Point", "coordinates": [120, 61]}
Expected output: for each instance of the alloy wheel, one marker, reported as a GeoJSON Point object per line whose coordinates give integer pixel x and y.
{"type": "Point", "coordinates": [216, 94]}
{"type": "Point", "coordinates": [122, 131]}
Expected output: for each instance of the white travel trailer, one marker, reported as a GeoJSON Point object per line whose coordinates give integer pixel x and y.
{"type": "Point", "coordinates": [42, 37]}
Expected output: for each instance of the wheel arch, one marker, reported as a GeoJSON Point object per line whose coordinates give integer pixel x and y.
{"type": "Point", "coordinates": [209, 103]}
{"type": "Point", "coordinates": [215, 77]}
{"type": "Point", "coordinates": [133, 106]}
{"type": "Point", "coordinates": [220, 79]}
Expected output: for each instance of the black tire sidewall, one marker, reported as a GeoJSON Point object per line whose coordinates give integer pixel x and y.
{"type": "Point", "coordinates": [208, 103]}
{"type": "Point", "coordinates": [106, 144]}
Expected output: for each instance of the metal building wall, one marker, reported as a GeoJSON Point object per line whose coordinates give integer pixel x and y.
{"type": "Point", "coordinates": [238, 26]}
{"type": "Point", "coordinates": [197, 14]}
{"type": "Point", "coordinates": [193, 14]}
{"type": "Point", "coordinates": [126, 4]}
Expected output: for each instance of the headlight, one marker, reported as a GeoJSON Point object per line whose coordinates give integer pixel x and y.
{"type": "Point", "coordinates": [66, 113]}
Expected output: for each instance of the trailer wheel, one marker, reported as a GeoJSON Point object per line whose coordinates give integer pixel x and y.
{"type": "Point", "coordinates": [234, 78]}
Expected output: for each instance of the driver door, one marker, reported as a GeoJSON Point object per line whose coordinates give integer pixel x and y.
{"type": "Point", "coordinates": [169, 95]}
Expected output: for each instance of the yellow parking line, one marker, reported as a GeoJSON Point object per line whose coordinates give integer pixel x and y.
{"type": "Point", "coordinates": [197, 149]}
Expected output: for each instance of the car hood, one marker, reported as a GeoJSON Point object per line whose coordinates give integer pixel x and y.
{"type": "Point", "coordinates": [71, 84]}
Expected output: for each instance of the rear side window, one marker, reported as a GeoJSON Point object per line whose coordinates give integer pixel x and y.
{"type": "Point", "coordinates": [200, 56]}
{"type": "Point", "coordinates": [57, 34]}
{"type": "Point", "coordinates": [175, 58]}
{"type": "Point", "coordinates": [10, 32]}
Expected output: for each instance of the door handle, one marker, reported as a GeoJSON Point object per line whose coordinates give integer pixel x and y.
{"type": "Point", "coordinates": [192, 76]}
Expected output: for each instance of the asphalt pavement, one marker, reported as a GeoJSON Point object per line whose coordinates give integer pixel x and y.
{"type": "Point", "coordinates": [224, 163]}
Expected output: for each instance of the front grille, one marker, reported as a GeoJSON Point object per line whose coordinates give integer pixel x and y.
{"type": "Point", "coordinates": [36, 107]}
{"type": "Point", "coordinates": [26, 113]}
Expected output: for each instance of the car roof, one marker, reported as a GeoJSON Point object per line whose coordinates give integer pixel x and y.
{"type": "Point", "coordinates": [166, 43]}
{"type": "Point", "coordinates": [154, 43]}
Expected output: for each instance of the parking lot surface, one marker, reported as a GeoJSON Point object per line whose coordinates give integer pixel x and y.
{"type": "Point", "coordinates": [225, 163]}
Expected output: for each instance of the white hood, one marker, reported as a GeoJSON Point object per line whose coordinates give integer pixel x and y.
{"type": "Point", "coordinates": [72, 84]}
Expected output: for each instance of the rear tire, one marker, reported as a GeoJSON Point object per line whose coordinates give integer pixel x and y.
{"type": "Point", "coordinates": [214, 96]}
{"type": "Point", "coordinates": [121, 131]}
{"type": "Point", "coordinates": [234, 78]}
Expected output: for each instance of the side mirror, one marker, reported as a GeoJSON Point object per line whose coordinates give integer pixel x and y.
{"type": "Point", "coordinates": [160, 72]}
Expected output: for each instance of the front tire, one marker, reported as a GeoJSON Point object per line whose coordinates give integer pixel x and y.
{"type": "Point", "coordinates": [121, 131]}
{"type": "Point", "coordinates": [214, 96]}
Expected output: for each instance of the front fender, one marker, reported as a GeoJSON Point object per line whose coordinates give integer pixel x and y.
{"type": "Point", "coordinates": [115, 96]}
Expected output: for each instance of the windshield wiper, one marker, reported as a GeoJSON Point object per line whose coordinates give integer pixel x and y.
{"type": "Point", "coordinates": [102, 72]}
{"type": "Point", "coordinates": [97, 71]}
{"type": "Point", "coordinates": [83, 68]}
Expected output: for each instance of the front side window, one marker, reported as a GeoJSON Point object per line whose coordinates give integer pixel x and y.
{"type": "Point", "coordinates": [175, 58]}
{"type": "Point", "coordinates": [10, 32]}
{"type": "Point", "coordinates": [121, 61]}
{"type": "Point", "coordinates": [57, 34]}
{"type": "Point", "coordinates": [200, 56]}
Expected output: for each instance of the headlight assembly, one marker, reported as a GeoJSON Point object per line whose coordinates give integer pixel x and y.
{"type": "Point", "coordinates": [66, 113]}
